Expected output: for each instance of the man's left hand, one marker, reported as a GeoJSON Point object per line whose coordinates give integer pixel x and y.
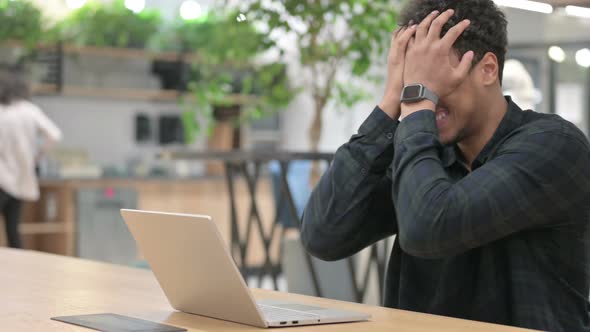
{"type": "Point", "coordinates": [428, 59]}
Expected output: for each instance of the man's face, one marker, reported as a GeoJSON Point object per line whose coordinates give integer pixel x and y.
{"type": "Point", "coordinates": [455, 112]}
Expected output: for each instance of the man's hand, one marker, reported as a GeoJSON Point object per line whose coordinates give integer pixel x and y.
{"type": "Point", "coordinates": [428, 58]}
{"type": "Point", "coordinates": [395, 71]}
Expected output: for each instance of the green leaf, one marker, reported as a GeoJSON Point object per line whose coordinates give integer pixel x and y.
{"type": "Point", "coordinates": [112, 24]}
{"type": "Point", "coordinates": [20, 20]}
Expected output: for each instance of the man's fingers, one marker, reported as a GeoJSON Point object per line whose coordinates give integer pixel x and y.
{"type": "Point", "coordinates": [437, 25]}
{"type": "Point", "coordinates": [394, 38]}
{"type": "Point", "coordinates": [454, 33]}
{"type": "Point", "coordinates": [423, 27]}
{"type": "Point", "coordinates": [411, 42]}
{"type": "Point", "coordinates": [397, 31]}
{"type": "Point", "coordinates": [402, 41]}
{"type": "Point", "coordinates": [463, 69]}
{"type": "Point", "coordinates": [395, 35]}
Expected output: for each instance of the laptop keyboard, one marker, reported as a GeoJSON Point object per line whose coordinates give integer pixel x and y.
{"type": "Point", "coordinates": [274, 314]}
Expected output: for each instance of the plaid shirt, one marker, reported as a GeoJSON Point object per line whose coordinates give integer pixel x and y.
{"type": "Point", "coordinates": [505, 243]}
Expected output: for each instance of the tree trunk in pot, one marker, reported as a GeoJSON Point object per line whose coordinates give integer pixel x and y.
{"type": "Point", "coordinates": [315, 134]}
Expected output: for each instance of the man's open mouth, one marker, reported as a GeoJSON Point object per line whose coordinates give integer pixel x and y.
{"type": "Point", "coordinates": [442, 115]}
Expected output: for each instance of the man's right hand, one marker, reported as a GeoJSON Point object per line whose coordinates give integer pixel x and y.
{"type": "Point", "coordinates": [395, 71]}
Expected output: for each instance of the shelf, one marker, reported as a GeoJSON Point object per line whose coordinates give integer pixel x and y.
{"type": "Point", "coordinates": [18, 44]}
{"type": "Point", "coordinates": [114, 52]}
{"type": "Point", "coordinates": [115, 93]}
{"type": "Point", "coordinates": [32, 228]}
{"type": "Point", "coordinates": [128, 94]}
{"type": "Point", "coordinates": [128, 53]}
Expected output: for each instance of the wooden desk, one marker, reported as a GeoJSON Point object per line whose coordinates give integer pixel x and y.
{"type": "Point", "coordinates": [37, 286]}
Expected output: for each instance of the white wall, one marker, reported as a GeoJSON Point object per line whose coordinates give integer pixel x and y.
{"type": "Point", "coordinates": [105, 128]}
{"type": "Point", "coordinates": [339, 122]}
{"type": "Point", "coordinates": [528, 27]}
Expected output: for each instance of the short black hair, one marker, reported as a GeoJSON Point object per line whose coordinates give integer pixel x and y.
{"type": "Point", "coordinates": [486, 33]}
{"type": "Point", "coordinates": [13, 86]}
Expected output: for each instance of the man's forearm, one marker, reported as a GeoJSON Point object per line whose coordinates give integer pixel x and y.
{"type": "Point", "coordinates": [351, 207]}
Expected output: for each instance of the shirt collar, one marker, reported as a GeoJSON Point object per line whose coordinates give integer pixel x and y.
{"type": "Point", "coordinates": [512, 120]}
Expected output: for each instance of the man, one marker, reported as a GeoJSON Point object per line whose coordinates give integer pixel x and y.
{"type": "Point", "coordinates": [490, 204]}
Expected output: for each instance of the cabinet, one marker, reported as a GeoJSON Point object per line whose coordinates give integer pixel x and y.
{"type": "Point", "coordinates": [48, 225]}
{"type": "Point", "coordinates": [102, 234]}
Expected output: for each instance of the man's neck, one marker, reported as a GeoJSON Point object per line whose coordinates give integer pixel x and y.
{"type": "Point", "coordinates": [472, 145]}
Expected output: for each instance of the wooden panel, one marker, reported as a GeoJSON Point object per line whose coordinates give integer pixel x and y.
{"type": "Point", "coordinates": [45, 227]}
{"type": "Point", "coordinates": [205, 196]}
{"type": "Point", "coordinates": [129, 53]}
{"type": "Point", "coordinates": [211, 197]}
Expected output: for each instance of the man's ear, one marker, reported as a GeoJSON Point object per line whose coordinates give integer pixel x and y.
{"type": "Point", "coordinates": [487, 70]}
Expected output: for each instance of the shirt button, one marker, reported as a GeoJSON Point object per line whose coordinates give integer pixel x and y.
{"type": "Point", "coordinates": [389, 136]}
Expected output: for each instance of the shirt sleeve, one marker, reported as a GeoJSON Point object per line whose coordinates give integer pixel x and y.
{"type": "Point", "coordinates": [45, 125]}
{"type": "Point", "coordinates": [537, 176]}
{"type": "Point", "coordinates": [351, 207]}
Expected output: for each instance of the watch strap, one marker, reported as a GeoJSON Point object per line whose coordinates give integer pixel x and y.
{"type": "Point", "coordinates": [428, 94]}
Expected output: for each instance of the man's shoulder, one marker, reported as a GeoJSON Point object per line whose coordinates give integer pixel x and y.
{"type": "Point", "coordinates": [549, 126]}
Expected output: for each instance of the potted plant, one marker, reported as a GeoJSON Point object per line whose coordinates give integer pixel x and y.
{"type": "Point", "coordinates": [333, 38]}
{"type": "Point", "coordinates": [26, 40]}
{"type": "Point", "coordinates": [20, 21]}
{"type": "Point", "coordinates": [229, 85]}
{"type": "Point", "coordinates": [21, 30]}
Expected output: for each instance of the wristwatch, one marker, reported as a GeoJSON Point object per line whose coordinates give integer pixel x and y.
{"type": "Point", "coordinates": [414, 93]}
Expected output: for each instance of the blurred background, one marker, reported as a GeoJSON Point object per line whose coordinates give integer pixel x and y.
{"type": "Point", "coordinates": [232, 109]}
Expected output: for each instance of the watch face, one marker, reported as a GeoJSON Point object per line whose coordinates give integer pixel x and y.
{"type": "Point", "coordinates": [412, 92]}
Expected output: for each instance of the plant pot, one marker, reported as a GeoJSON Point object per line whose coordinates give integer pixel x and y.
{"type": "Point", "coordinates": [226, 136]}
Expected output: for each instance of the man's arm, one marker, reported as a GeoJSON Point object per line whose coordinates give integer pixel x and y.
{"type": "Point", "coordinates": [351, 207]}
{"type": "Point", "coordinates": [535, 179]}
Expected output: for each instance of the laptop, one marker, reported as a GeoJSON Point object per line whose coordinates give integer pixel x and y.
{"type": "Point", "coordinates": [198, 275]}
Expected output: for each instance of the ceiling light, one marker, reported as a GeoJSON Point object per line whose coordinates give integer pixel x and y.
{"type": "Point", "coordinates": [577, 11]}
{"type": "Point", "coordinates": [190, 10]}
{"type": "Point", "coordinates": [526, 5]}
{"type": "Point", "coordinates": [556, 54]}
{"type": "Point", "coordinates": [75, 4]}
{"type": "Point", "coordinates": [135, 6]}
{"type": "Point", "coordinates": [583, 57]}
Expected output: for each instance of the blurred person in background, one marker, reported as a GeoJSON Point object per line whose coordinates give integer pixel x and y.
{"type": "Point", "coordinates": [22, 124]}
{"type": "Point", "coordinates": [490, 203]}
{"type": "Point", "coordinates": [518, 84]}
